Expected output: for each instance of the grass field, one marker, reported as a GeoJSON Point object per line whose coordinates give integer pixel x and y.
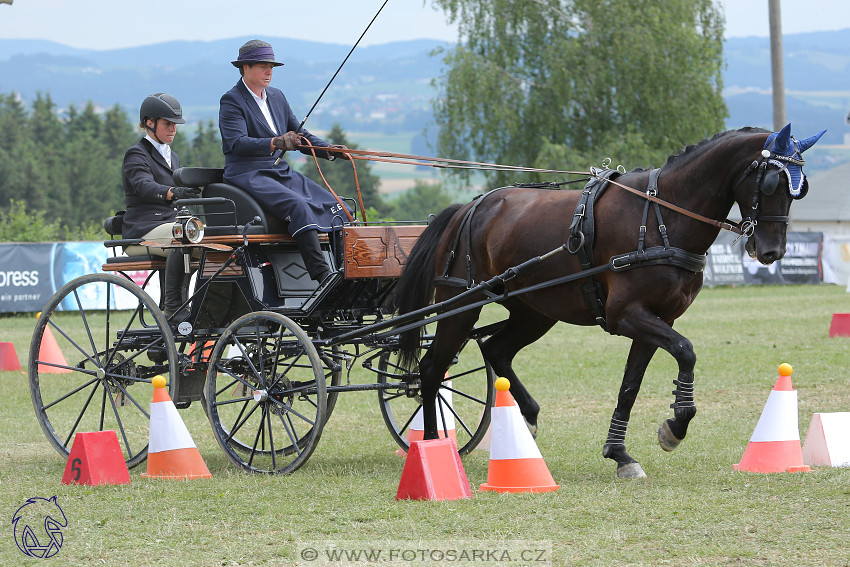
{"type": "Point", "coordinates": [693, 509]}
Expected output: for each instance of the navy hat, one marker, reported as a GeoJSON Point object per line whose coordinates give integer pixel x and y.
{"type": "Point", "coordinates": [256, 51]}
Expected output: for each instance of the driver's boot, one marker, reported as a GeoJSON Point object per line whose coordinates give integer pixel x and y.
{"type": "Point", "coordinates": [311, 252]}
{"type": "Point", "coordinates": [175, 289]}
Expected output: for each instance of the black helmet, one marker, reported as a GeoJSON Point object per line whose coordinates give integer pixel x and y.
{"type": "Point", "coordinates": [161, 105]}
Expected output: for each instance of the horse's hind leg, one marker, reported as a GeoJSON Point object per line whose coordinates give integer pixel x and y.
{"type": "Point", "coordinates": [615, 446]}
{"type": "Point", "coordinates": [524, 327]}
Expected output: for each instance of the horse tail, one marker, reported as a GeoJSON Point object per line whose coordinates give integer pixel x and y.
{"type": "Point", "coordinates": [415, 287]}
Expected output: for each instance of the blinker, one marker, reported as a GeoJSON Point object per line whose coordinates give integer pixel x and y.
{"type": "Point", "coordinates": [770, 181]}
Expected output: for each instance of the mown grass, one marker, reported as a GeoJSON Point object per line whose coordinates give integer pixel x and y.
{"type": "Point", "coordinates": [693, 509]}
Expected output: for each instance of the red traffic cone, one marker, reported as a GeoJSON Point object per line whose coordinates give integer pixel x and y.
{"type": "Point", "coordinates": [8, 357]}
{"type": "Point", "coordinates": [516, 464]}
{"type": "Point", "coordinates": [445, 421]}
{"type": "Point", "coordinates": [840, 325]}
{"type": "Point", "coordinates": [95, 459]}
{"type": "Point", "coordinates": [172, 453]}
{"type": "Point", "coordinates": [433, 471]}
{"type": "Point", "coordinates": [775, 443]}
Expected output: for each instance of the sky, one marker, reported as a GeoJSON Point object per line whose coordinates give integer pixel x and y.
{"type": "Point", "coordinates": [110, 24]}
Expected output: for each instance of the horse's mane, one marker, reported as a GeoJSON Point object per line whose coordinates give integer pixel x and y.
{"type": "Point", "coordinates": [694, 149]}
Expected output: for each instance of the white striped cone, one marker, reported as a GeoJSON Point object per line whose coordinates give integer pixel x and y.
{"type": "Point", "coordinates": [516, 464]}
{"type": "Point", "coordinates": [828, 440]}
{"type": "Point", "coordinates": [171, 450]}
{"type": "Point", "coordinates": [775, 443]}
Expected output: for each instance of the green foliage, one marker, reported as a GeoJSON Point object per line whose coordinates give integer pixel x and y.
{"type": "Point", "coordinates": [423, 200]}
{"type": "Point", "coordinates": [540, 82]}
{"type": "Point", "coordinates": [340, 175]}
{"type": "Point", "coordinates": [67, 168]}
{"type": "Point", "coordinates": [19, 224]}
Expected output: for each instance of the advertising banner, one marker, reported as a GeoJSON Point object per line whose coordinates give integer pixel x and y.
{"type": "Point", "coordinates": [26, 281]}
{"type": "Point", "coordinates": [729, 264]}
{"type": "Point", "coordinates": [30, 273]}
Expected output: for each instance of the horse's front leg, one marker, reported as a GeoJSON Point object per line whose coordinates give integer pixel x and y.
{"type": "Point", "coordinates": [615, 445]}
{"type": "Point", "coordinates": [449, 338]}
{"type": "Point", "coordinates": [672, 431]}
{"type": "Point", "coordinates": [656, 332]}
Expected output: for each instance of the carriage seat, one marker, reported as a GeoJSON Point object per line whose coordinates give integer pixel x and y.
{"type": "Point", "coordinates": [221, 219]}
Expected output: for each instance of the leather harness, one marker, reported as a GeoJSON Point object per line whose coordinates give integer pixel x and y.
{"type": "Point", "coordinates": [580, 243]}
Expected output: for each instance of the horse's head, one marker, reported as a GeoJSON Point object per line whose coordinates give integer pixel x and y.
{"type": "Point", "coordinates": [766, 189]}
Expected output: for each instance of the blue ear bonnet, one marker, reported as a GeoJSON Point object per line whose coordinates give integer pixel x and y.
{"type": "Point", "coordinates": [782, 145]}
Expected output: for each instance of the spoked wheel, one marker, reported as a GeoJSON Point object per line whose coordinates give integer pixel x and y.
{"type": "Point", "coordinates": [266, 394]}
{"type": "Point", "coordinates": [97, 344]}
{"type": "Point", "coordinates": [465, 398]}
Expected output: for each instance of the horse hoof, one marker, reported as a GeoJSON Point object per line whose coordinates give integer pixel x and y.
{"type": "Point", "coordinates": [666, 439]}
{"type": "Point", "coordinates": [630, 470]}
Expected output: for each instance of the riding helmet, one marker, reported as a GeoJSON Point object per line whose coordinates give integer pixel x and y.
{"type": "Point", "coordinates": [161, 105]}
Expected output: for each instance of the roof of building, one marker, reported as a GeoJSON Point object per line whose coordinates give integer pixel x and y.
{"type": "Point", "coordinates": [828, 198]}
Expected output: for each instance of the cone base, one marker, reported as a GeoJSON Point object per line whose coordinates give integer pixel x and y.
{"type": "Point", "coordinates": [519, 475]}
{"type": "Point", "coordinates": [177, 464]}
{"type": "Point", "coordinates": [773, 457]}
{"type": "Point", "coordinates": [516, 489]}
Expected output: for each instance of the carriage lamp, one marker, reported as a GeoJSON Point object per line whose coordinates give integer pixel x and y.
{"type": "Point", "coordinates": [188, 229]}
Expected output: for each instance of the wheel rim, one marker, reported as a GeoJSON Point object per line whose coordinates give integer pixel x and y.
{"type": "Point", "coordinates": [114, 340]}
{"type": "Point", "coordinates": [466, 396]}
{"type": "Point", "coordinates": [266, 394]}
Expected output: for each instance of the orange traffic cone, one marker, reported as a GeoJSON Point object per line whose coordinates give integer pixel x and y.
{"type": "Point", "coordinates": [445, 421]}
{"type": "Point", "coordinates": [50, 353]}
{"type": "Point", "coordinates": [775, 443]}
{"type": "Point", "coordinates": [171, 451]}
{"type": "Point", "coordinates": [8, 357]}
{"type": "Point", "coordinates": [516, 464]}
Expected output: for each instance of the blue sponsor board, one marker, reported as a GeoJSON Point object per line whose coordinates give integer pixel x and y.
{"type": "Point", "coordinates": [30, 273]}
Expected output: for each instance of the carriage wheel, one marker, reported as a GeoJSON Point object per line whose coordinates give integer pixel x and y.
{"type": "Point", "coordinates": [466, 396]}
{"type": "Point", "coordinates": [96, 346]}
{"type": "Point", "coordinates": [266, 398]}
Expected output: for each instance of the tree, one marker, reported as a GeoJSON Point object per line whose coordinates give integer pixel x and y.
{"type": "Point", "coordinates": [340, 175]}
{"type": "Point", "coordinates": [562, 84]}
{"type": "Point", "coordinates": [94, 179]}
{"type": "Point", "coordinates": [423, 200]}
{"type": "Point", "coordinates": [206, 147]}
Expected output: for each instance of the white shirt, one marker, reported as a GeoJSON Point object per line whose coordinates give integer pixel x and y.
{"type": "Point", "coordinates": [264, 107]}
{"type": "Point", "coordinates": [163, 149]}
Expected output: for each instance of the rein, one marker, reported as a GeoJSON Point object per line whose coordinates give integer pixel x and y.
{"type": "Point", "coordinates": [745, 228]}
{"type": "Point", "coordinates": [725, 225]}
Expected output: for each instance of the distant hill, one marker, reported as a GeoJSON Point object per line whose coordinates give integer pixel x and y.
{"type": "Point", "coordinates": [817, 82]}
{"type": "Point", "coordinates": [390, 80]}
{"type": "Point", "coordinates": [386, 88]}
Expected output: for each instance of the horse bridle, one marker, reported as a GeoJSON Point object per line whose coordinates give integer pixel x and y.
{"type": "Point", "coordinates": [767, 180]}
{"type": "Point", "coordinates": [766, 183]}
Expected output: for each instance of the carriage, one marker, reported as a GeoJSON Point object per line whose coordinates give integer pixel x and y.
{"type": "Point", "coordinates": [266, 351]}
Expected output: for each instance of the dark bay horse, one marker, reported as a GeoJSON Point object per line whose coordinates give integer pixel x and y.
{"type": "Point", "coordinates": [758, 170]}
